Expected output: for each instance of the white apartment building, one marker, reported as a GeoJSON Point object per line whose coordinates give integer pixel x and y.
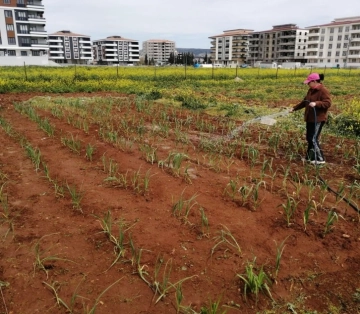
{"type": "Point", "coordinates": [158, 50]}
{"type": "Point", "coordinates": [116, 50]}
{"type": "Point", "coordinates": [335, 44]}
{"type": "Point", "coordinates": [66, 47]}
{"type": "Point", "coordinates": [230, 48]}
{"type": "Point", "coordinates": [283, 43]}
{"type": "Point", "coordinates": [22, 33]}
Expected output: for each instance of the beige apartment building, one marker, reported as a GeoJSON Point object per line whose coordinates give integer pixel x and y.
{"type": "Point", "coordinates": [231, 48]}
{"type": "Point", "coordinates": [336, 44]}
{"type": "Point", "coordinates": [283, 43]}
{"type": "Point", "coordinates": [116, 50]}
{"type": "Point", "coordinates": [22, 33]}
{"type": "Point", "coordinates": [66, 47]}
{"type": "Point", "coordinates": [158, 50]}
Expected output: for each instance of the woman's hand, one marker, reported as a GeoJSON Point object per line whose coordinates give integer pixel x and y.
{"type": "Point", "coordinates": [312, 104]}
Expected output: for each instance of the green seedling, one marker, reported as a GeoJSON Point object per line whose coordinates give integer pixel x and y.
{"type": "Point", "coordinates": [97, 301]}
{"type": "Point", "coordinates": [55, 287]}
{"type": "Point", "coordinates": [35, 155]}
{"type": "Point", "coordinates": [42, 260]}
{"type": "Point", "coordinates": [73, 143]}
{"type": "Point", "coordinates": [162, 288]}
{"type": "Point", "coordinates": [5, 215]}
{"type": "Point", "coordinates": [255, 282]}
{"type": "Point", "coordinates": [332, 217]}
{"type": "Point", "coordinates": [90, 149]}
{"type": "Point", "coordinates": [307, 210]}
{"type": "Point", "coordinates": [289, 209]}
{"type": "Point", "coordinates": [76, 197]}
{"type": "Point", "coordinates": [46, 126]}
{"type": "Point", "coordinates": [226, 237]}
{"type": "Point", "coordinates": [204, 222]}
{"type": "Point", "coordinates": [279, 251]}
{"type": "Point", "coordinates": [182, 207]}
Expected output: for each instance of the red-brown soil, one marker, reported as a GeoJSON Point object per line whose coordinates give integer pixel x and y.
{"type": "Point", "coordinates": [316, 272]}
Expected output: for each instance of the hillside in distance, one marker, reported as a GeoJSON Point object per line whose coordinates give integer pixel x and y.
{"type": "Point", "coordinates": [195, 51]}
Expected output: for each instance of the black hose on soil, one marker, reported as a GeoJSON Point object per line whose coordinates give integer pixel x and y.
{"type": "Point", "coordinates": [322, 180]}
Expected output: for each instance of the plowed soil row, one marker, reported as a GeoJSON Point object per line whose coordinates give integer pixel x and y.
{"type": "Point", "coordinates": [316, 272]}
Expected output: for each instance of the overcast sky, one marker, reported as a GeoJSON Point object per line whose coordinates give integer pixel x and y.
{"type": "Point", "coordinates": [187, 22]}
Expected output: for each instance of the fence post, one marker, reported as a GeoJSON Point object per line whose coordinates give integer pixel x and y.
{"type": "Point", "coordinates": [26, 78]}
{"type": "Point", "coordinates": [277, 69]}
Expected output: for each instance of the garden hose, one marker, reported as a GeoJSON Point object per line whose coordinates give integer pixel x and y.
{"type": "Point", "coordinates": [322, 180]}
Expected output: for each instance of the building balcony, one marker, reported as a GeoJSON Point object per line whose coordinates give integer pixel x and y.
{"type": "Point", "coordinates": [354, 55]}
{"type": "Point", "coordinates": [52, 52]}
{"type": "Point", "coordinates": [38, 34]}
{"type": "Point", "coordinates": [312, 49]}
{"type": "Point", "coordinates": [84, 41]}
{"type": "Point", "coordinates": [355, 30]}
{"type": "Point", "coordinates": [111, 44]}
{"type": "Point", "coordinates": [55, 40]}
{"type": "Point", "coordinates": [56, 57]}
{"type": "Point", "coordinates": [355, 39]}
{"type": "Point", "coordinates": [310, 41]}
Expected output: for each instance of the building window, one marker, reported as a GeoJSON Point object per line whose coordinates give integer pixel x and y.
{"type": "Point", "coordinates": [345, 45]}
{"type": "Point", "coordinates": [11, 53]}
{"type": "Point", "coordinates": [331, 38]}
{"type": "Point", "coordinates": [11, 41]}
{"type": "Point", "coordinates": [329, 54]}
{"type": "Point", "coordinates": [346, 37]}
{"type": "Point", "coordinates": [338, 45]}
{"type": "Point", "coordinates": [323, 31]}
{"type": "Point", "coordinates": [340, 29]}
{"type": "Point", "coordinates": [21, 15]}
{"type": "Point", "coordinates": [8, 13]}
{"type": "Point", "coordinates": [347, 28]}
{"type": "Point", "coordinates": [322, 38]}
{"type": "Point", "coordinates": [6, 1]}
{"type": "Point", "coordinates": [320, 54]}
{"type": "Point", "coordinates": [9, 27]}
{"type": "Point", "coordinates": [331, 29]}
{"type": "Point", "coordinates": [35, 53]}
{"type": "Point", "coordinates": [337, 54]}
{"type": "Point", "coordinates": [330, 46]}
{"type": "Point", "coordinates": [344, 54]}
{"type": "Point", "coordinates": [20, 1]}
{"type": "Point", "coordinates": [321, 46]}
{"type": "Point", "coordinates": [339, 38]}
{"type": "Point", "coordinates": [24, 53]}
{"type": "Point", "coordinates": [23, 29]}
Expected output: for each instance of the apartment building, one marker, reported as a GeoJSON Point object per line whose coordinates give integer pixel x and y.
{"type": "Point", "coordinates": [335, 44]}
{"type": "Point", "coordinates": [283, 43]}
{"type": "Point", "coordinates": [231, 48]}
{"type": "Point", "coordinates": [66, 47]}
{"type": "Point", "coordinates": [116, 50]}
{"type": "Point", "coordinates": [158, 50]}
{"type": "Point", "coordinates": [22, 33]}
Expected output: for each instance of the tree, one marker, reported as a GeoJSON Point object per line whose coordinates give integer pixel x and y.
{"type": "Point", "coordinates": [146, 60]}
{"type": "Point", "coordinates": [171, 59]}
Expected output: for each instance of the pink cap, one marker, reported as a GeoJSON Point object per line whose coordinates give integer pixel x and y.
{"type": "Point", "coordinates": [312, 77]}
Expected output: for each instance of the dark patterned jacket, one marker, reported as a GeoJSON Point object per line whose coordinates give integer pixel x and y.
{"type": "Point", "coordinates": [321, 96]}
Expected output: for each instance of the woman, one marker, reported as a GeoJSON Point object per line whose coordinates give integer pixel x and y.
{"type": "Point", "coordinates": [316, 104]}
